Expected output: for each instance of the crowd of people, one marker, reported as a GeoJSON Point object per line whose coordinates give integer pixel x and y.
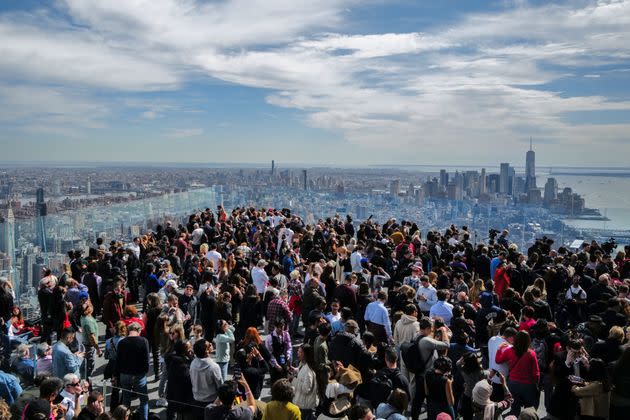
{"type": "Point", "coordinates": [342, 320]}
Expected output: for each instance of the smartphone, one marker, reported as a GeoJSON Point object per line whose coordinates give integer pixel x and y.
{"type": "Point", "coordinates": [576, 380]}
{"type": "Point", "coordinates": [237, 374]}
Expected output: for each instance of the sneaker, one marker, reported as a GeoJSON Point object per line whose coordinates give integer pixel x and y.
{"type": "Point", "coordinates": [161, 402]}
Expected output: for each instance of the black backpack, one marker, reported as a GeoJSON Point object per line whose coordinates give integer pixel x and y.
{"type": "Point", "coordinates": [410, 353]}
{"type": "Point", "coordinates": [379, 388]}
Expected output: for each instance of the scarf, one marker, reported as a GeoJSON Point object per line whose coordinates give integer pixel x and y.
{"type": "Point", "coordinates": [481, 396]}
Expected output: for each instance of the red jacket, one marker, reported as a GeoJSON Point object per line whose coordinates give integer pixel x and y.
{"type": "Point", "coordinates": [523, 369]}
{"type": "Point", "coordinates": [112, 309]}
{"type": "Point", "coordinates": [501, 281]}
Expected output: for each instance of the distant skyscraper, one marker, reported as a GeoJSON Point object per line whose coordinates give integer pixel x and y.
{"type": "Point", "coordinates": [419, 196]}
{"type": "Point", "coordinates": [305, 179]}
{"type": "Point", "coordinates": [459, 180]}
{"type": "Point", "coordinates": [504, 178]}
{"type": "Point", "coordinates": [37, 272]}
{"type": "Point", "coordinates": [394, 188]}
{"type": "Point", "coordinates": [443, 178]}
{"type": "Point", "coordinates": [551, 191]}
{"type": "Point", "coordinates": [518, 186]}
{"type": "Point", "coordinates": [530, 168]}
{"type": "Point", "coordinates": [431, 187]}
{"type": "Point", "coordinates": [493, 183]}
{"type": "Point", "coordinates": [89, 186]}
{"type": "Point", "coordinates": [57, 187]}
{"type": "Point", "coordinates": [28, 260]}
{"type": "Point", "coordinates": [42, 211]}
{"type": "Point", "coordinates": [482, 182]}
{"type": "Point", "coordinates": [8, 233]}
{"type": "Point", "coordinates": [8, 236]}
{"type": "Point", "coordinates": [273, 167]}
{"type": "Point", "coordinates": [454, 192]}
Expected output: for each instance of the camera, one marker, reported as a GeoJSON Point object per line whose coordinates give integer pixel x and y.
{"type": "Point", "coordinates": [609, 246]}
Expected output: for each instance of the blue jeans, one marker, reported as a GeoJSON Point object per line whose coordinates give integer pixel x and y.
{"type": "Point", "coordinates": [163, 379]}
{"type": "Point", "coordinates": [525, 395]}
{"type": "Point", "coordinates": [135, 383]}
{"type": "Point", "coordinates": [224, 369]}
{"type": "Point", "coordinates": [88, 362]}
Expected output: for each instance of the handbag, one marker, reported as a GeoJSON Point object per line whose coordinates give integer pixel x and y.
{"type": "Point", "coordinates": [340, 405]}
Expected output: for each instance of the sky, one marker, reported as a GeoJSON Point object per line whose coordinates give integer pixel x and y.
{"type": "Point", "coordinates": [315, 82]}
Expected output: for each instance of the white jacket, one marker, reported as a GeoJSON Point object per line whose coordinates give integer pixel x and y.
{"type": "Point", "coordinates": [305, 386]}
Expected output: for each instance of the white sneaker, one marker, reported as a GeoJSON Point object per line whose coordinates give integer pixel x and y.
{"type": "Point", "coordinates": [161, 402]}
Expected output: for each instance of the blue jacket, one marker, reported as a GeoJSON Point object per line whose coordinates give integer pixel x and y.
{"type": "Point", "coordinates": [10, 388]}
{"type": "Point", "coordinates": [64, 361]}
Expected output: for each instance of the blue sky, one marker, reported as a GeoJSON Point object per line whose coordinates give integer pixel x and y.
{"type": "Point", "coordinates": [315, 82]}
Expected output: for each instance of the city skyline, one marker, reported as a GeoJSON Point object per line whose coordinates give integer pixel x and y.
{"type": "Point", "coordinates": [46, 212]}
{"type": "Point", "coordinates": [338, 82]}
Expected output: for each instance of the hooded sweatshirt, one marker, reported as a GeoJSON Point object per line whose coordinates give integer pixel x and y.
{"type": "Point", "coordinates": [406, 329]}
{"type": "Point", "coordinates": [206, 378]}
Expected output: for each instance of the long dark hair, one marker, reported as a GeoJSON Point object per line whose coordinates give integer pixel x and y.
{"type": "Point", "coordinates": [521, 343]}
{"type": "Point", "coordinates": [309, 356]}
{"type": "Point", "coordinates": [597, 372]}
{"type": "Point", "coordinates": [471, 363]}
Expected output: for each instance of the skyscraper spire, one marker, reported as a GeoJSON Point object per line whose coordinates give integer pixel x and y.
{"type": "Point", "coordinates": [530, 168]}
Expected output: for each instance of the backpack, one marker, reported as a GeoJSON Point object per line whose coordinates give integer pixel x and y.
{"type": "Point", "coordinates": [540, 348]}
{"type": "Point", "coordinates": [379, 388]}
{"type": "Point", "coordinates": [410, 353]}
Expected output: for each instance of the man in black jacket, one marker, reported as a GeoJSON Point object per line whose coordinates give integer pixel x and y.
{"type": "Point", "coordinates": [385, 380]}
{"type": "Point", "coordinates": [346, 348]}
{"type": "Point", "coordinates": [132, 363]}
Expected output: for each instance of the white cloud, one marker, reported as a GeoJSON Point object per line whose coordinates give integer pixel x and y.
{"type": "Point", "coordinates": [180, 133]}
{"type": "Point", "coordinates": [50, 106]}
{"type": "Point", "coordinates": [381, 45]}
{"type": "Point", "coordinates": [66, 54]}
{"type": "Point", "coordinates": [149, 115]}
{"type": "Point", "coordinates": [191, 24]}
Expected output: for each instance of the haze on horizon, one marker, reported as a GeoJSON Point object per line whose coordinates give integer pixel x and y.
{"type": "Point", "coordinates": [339, 82]}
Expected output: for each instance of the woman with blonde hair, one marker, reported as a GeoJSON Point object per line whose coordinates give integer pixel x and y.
{"type": "Point", "coordinates": [66, 273]}
{"type": "Point", "coordinates": [168, 337]}
{"type": "Point", "coordinates": [433, 277]}
{"type": "Point", "coordinates": [231, 262]}
{"type": "Point", "coordinates": [475, 291]}
{"type": "Point", "coordinates": [203, 249]}
{"type": "Point", "coordinates": [343, 266]}
{"type": "Point", "coordinates": [541, 285]}
{"type": "Point", "coordinates": [223, 271]}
